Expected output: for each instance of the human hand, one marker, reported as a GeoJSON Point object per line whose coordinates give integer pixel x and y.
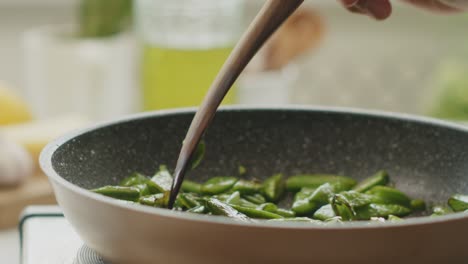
{"type": "Point", "coordinates": [381, 9]}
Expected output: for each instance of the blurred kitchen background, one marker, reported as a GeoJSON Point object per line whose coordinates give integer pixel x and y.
{"type": "Point", "coordinates": [67, 63]}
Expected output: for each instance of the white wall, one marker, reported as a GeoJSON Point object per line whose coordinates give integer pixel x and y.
{"type": "Point", "coordinates": [17, 17]}
{"type": "Point", "coordinates": [387, 65]}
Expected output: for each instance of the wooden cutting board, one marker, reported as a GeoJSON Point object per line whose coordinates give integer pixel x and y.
{"type": "Point", "coordinates": [35, 191]}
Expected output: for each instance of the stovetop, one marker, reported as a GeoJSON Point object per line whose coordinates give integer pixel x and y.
{"type": "Point", "coordinates": [47, 238]}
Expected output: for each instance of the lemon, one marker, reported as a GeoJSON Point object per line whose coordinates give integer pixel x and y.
{"type": "Point", "coordinates": [36, 134]}
{"type": "Point", "coordinates": [13, 109]}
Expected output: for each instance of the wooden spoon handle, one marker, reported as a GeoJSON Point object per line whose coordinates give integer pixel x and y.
{"type": "Point", "coordinates": [269, 19]}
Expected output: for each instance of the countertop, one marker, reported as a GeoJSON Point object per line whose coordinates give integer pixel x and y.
{"type": "Point", "coordinates": [9, 246]}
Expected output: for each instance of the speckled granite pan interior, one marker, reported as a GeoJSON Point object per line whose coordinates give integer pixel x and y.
{"type": "Point", "coordinates": [425, 158]}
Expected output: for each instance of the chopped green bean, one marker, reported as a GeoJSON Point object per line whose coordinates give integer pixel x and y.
{"type": "Point", "coordinates": [255, 213]}
{"type": "Point", "coordinates": [285, 213]}
{"type": "Point", "coordinates": [200, 209]}
{"type": "Point", "coordinates": [234, 199]}
{"type": "Point", "coordinates": [188, 200]}
{"type": "Point", "coordinates": [217, 207]}
{"type": "Point", "coordinates": [295, 183]}
{"type": "Point", "coordinates": [380, 178]}
{"type": "Point", "coordinates": [380, 210]}
{"type": "Point", "coordinates": [246, 187]}
{"type": "Point", "coordinates": [161, 182]}
{"type": "Point", "coordinates": [418, 205]}
{"type": "Point", "coordinates": [143, 188]}
{"type": "Point", "coordinates": [242, 170]}
{"type": "Point", "coordinates": [388, 195]}
{"type": "Point", "coordinates": [441, 210]}
{"type": "Point", "coordinates": [218, 185]}
{"type": "Point", "coordinates": [191, 187]}
{"type": "Point", "coordinates": [356, 199]}
{"type": "Point", "coordinates": [273, 188]}
{"type": "Point", "coordinates": [247, 203]}
{"type": "Point", "coordinates": [156, 200]}
{"type": "Point", "coordinates": [296, 219]}
{"type": "Point", "coordinates": [198, 155]}
{"type": "Point", "coordinates": [458, 202]}
{"type": "Point", "coordinates": [326, 198]}
{"type": "Point", "coordinates": [272, 208]}
{"type": "Point", "coordinates": [325, 213]}
{"type": "Point", "coordinates": [319, 197]}
{"type": "Point", "coordinates": [134, 179]}
{"type": "Point", "coordinates": [255, 198]}
{"type": "Point", "coordinates": [120, 192]}
{"type": "Point", "coordinates": [393, 218]}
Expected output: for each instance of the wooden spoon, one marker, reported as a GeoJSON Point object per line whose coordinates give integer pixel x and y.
{"type": "Point", "coordinates": [270, 18]}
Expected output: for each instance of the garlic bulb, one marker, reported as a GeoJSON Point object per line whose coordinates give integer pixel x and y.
{"type": "Point", "coordinates": [16, 165]}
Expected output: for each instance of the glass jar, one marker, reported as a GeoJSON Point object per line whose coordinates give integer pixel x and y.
{"type": "Point", "coordinates": [185, 43]}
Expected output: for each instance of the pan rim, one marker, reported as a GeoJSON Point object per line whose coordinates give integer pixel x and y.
{"type": "Point", "coordinates": [45, 162]}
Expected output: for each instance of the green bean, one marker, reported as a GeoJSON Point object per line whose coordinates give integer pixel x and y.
{"type": "Point", "coordinates": [246, 187]}
{"type": "Point", "coordinates": [304, 193]}
{"type": "Point", "coordinates": [342, 208]}
{"type": "Point", "coordinates": [234, 199]}
{"type": "Point", "coordinates": [156, 200]}
{"type": "Point", "coordinates": [441, 210]}
{"type": "Point", "coordinates": [246, 203]}
{"type": "Point", "coordinates": [143, 189]}
{"type": "Point", "coordinates": [301, 201]}
{"type": "Point", "coordinates": [393, 218]}
{"type": "Point", "coordinates": [325, 213]}
{"type": "Point", "coordinates": [334, 220]}
{"type": "Point", "coordinates": [352, 205]}
{"type": "Point", "coordinates": [198, 155]}
{"type": "Point", "coordinates": [138, 181]}
{"type": "Point", "coordinates": [380, 210]}
{"type": "Point", "coordinates": [325, 198]}
{"type": "Point", "coordinates": [217, 207]}
{"type": "Point", "coordinates": [269, 207]}
{"type": "Point", "coordinates": [255, 198]}
{"type": "Point", "coordinates": [242, 170]}
{"type": "Point", "coordinates": [134, 179]}
{"type": "Point", "coordinates": [318, 198]}
{"type": "Point", "coordinates": [285, 213]}
{"type": "Point", "coordinates": [255, 213]}
{"type": "Point", "coordinates": [188, 200]}
{"type": "Point", "coordinates": [222, 197]}
{"type": "Point", "coordinates": [119, 192]}
{"type": "Point", "coordinates": [380, 178]}
{"type": "Point", "coordinates": [200, 209]}
{"type": "Point", "coordinates": [161, 182]}
{"type": "Point", "coordinates": [272, 208]}
{"type": "Point", "coordinates": [191, 187]}
{"type": "Point", "coordinates": [356, 199]}
{"type": "Point", "coordinates": [273, 188]}
{"type": "Point", "coordinates": [296, 219]}
{"type": "Point", "coordinates": [378, 219]}
{"type": "Point", "coordinates": [458, 202]}
{"type": "Point", "coordinates": [418, 205]}
{"type": "Point", "coordinates": [218, 185]}
{"type": "Point", "coordinates": [388, 195]}
{"type": "Point", "coordinates": [295, 183]}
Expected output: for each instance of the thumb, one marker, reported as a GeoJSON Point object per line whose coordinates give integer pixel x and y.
{"type": "Point", "coordinates": [378, 9]}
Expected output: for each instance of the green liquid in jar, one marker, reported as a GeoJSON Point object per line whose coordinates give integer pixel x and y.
{"type": "Point", "coordinates": [180, 78]}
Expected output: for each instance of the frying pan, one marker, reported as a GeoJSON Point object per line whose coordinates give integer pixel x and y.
{"type": "Point", "coordinates": [426, 158]}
